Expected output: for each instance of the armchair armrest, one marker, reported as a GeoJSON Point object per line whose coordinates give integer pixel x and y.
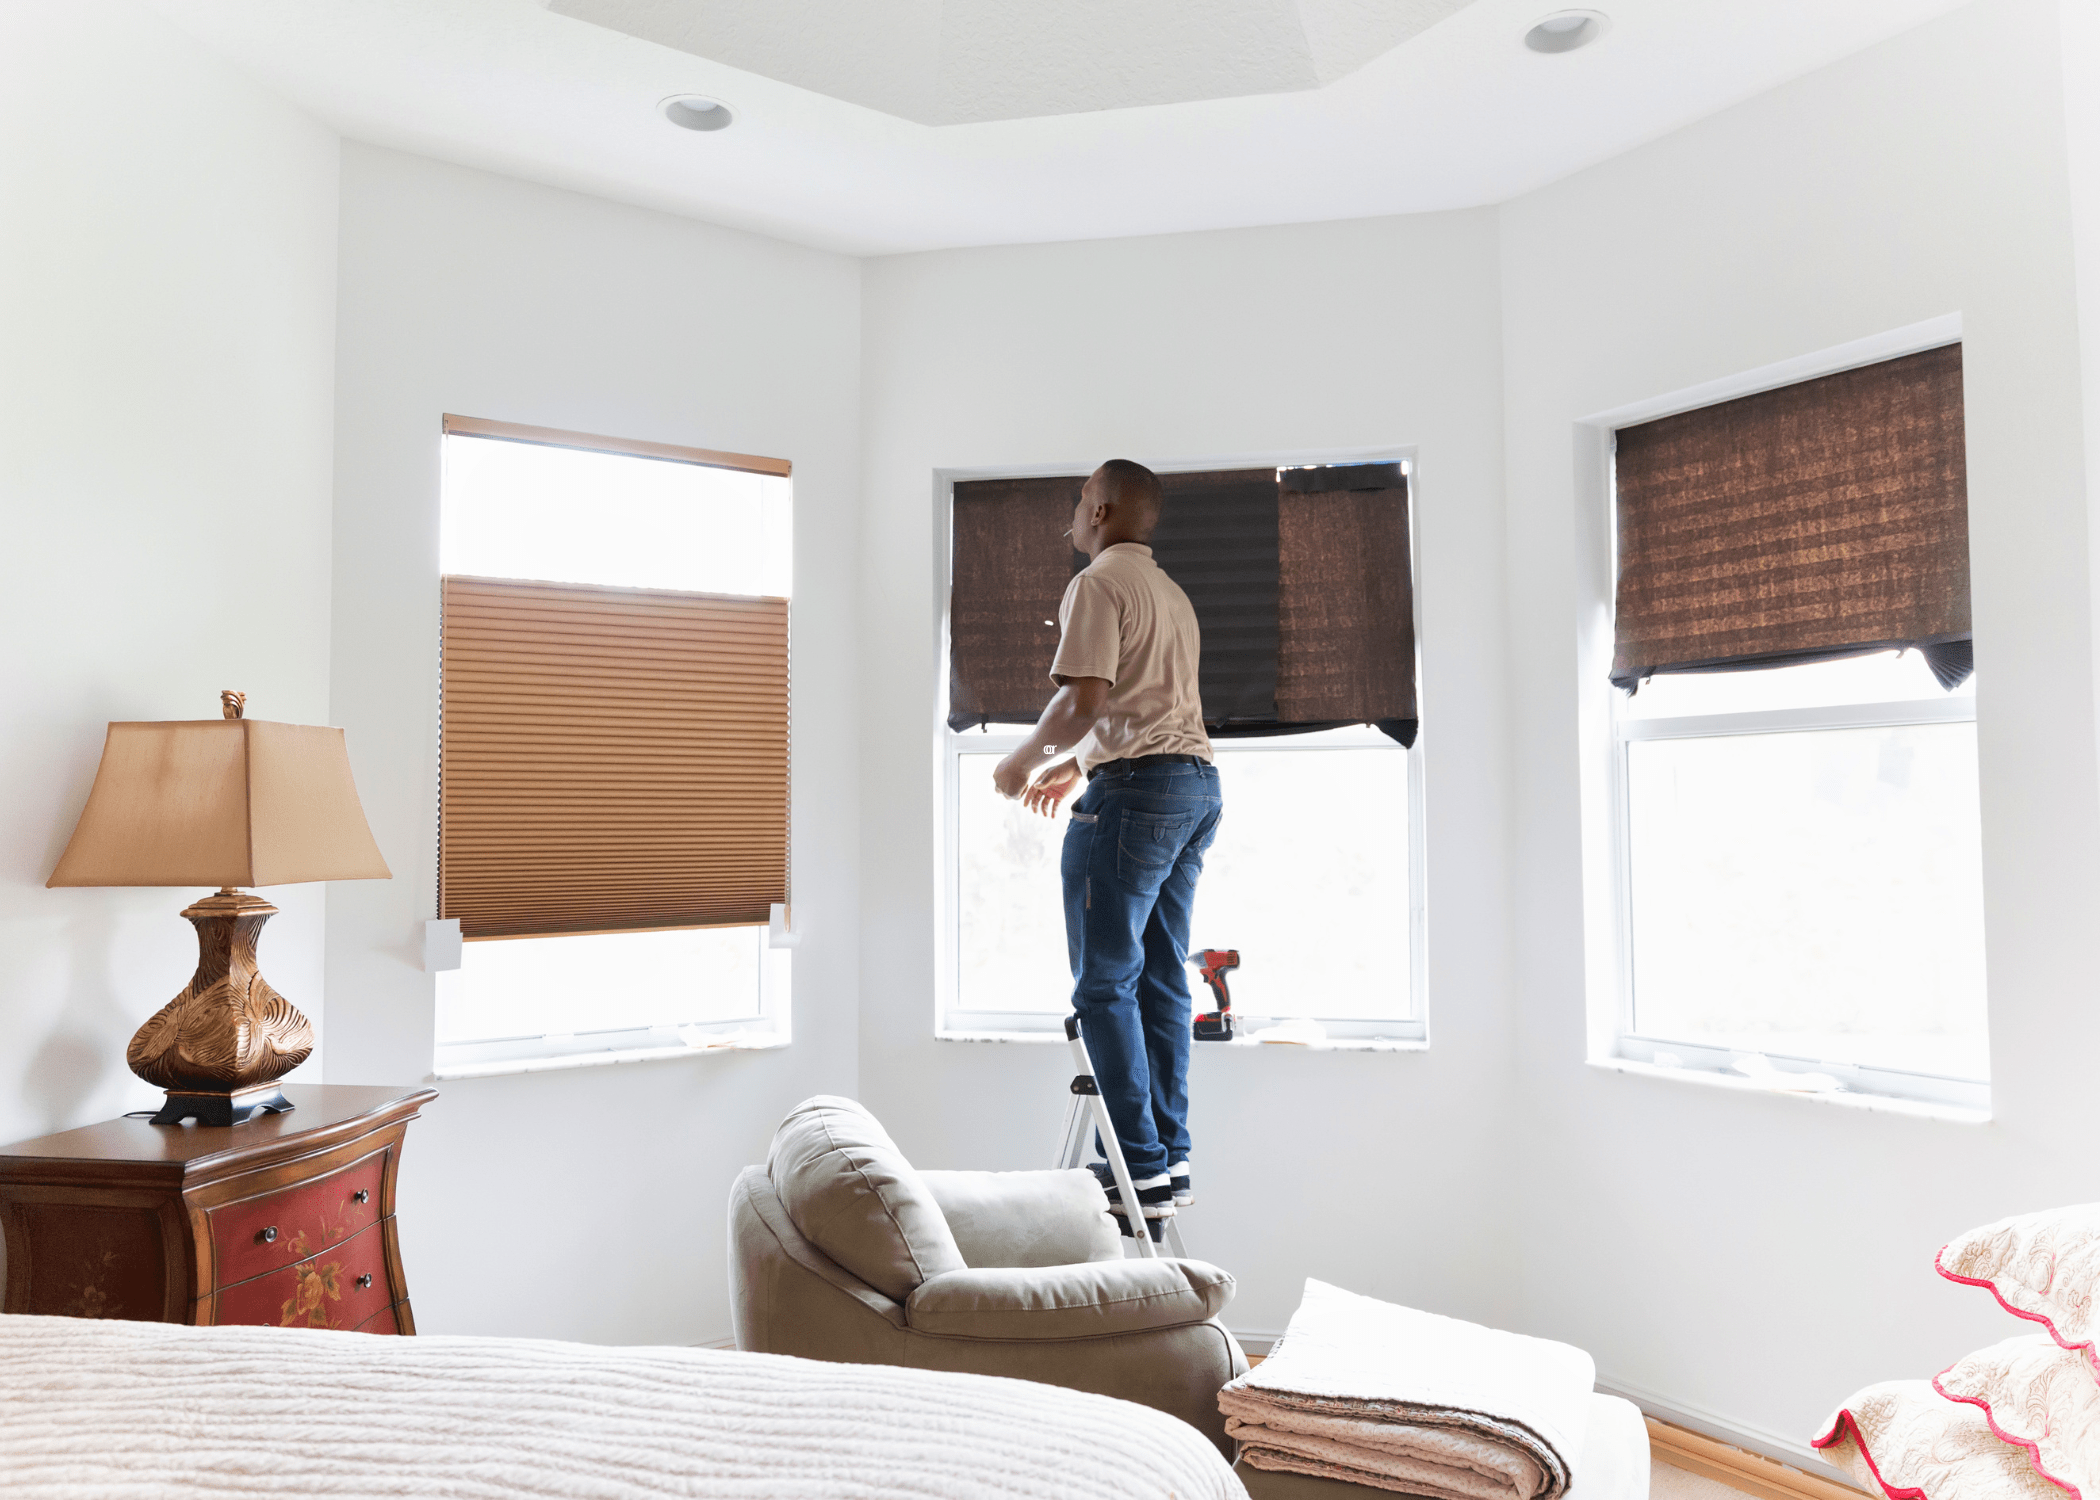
{"type": "Point", "coordinates": [1068, 1302]}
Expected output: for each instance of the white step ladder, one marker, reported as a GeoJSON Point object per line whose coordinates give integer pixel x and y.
{"type": "Point", "coordinates": [1086, 1113]}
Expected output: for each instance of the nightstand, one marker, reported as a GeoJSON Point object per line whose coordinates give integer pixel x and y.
{"type": "Point", "coordinates": [286, 1220]}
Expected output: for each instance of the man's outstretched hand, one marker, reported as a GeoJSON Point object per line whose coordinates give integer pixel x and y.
{"type": "Point", "coordinates": [1050, 789]}
{"type": "Point", "coordinates": [1073, 711]}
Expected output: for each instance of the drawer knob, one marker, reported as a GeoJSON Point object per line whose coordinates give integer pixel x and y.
{"type": "Point", "coordinates": [269, 1236]}
{"type": "Point", "coordinates": [362, 1195]}
{"type": "Point", "coordinates": [364, 1280]}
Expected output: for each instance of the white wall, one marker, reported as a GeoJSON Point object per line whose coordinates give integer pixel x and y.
{"type": "Point", "coordinates": [1754, 1256]}
{"type": "Point", "coordinates": [2080, 20]}
{"type": "Point", "coordinates": [586, 1204]}
{"type": "Point", "coordinates": [167, 291]}
{"type": "Point", "coordinates": [1375, 1171]}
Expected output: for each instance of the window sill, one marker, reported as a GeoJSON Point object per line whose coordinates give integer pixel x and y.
{"type": "Point", "coordinates": [1238, 1044]}
{"type": "Point", "coordinates": [728, 1041]}
{"type": "Point", "coordinates": [1917, 1109]}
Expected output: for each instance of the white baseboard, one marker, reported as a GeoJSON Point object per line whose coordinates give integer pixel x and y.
{"type": "Point", "coordinates": [1257, 1341]}
{"type": "Point", "coordinates": [1793, 1452]}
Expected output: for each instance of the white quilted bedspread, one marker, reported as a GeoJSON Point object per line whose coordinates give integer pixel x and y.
{"type": "Point", "coordinates": [124, 1411]}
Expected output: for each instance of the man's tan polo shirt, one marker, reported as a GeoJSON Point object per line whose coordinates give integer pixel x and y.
{"type": "Point", "coordinates": [1124, 620]}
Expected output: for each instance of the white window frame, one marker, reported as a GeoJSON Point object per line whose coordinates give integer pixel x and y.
{"type": "Point", "coordinates": [770, 1025]}
{"type": "Point", "coordinates": [950, 1022]}
{"type": "Point", "coordinates": [1607, 730]}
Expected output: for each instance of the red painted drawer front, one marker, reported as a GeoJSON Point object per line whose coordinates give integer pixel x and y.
{"type": "Point", "coordinates": [382, 1321]}
{"type": "Point", "coordinates": [258, 1235]}
{"type": "Point", "coordinates": [338, 1288]}
{"type": "Point", "coordinates": [85, 1261]}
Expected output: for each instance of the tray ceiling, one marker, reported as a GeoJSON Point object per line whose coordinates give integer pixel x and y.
{"type": "Point", "coordinates": [959, 62]}
{"type": "Point", "coordinates": [1457, 115]}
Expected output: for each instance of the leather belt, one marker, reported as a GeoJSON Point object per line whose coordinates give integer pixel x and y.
{"type": "Point", "coordinates": [1117, 767]}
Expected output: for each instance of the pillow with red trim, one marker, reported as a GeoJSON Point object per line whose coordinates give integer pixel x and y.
{"type": "Point", "coordinates": [1904, 1440]}
{"type": "Point", "coordinates": [2044, 1267]}
{"type": "Point", "coordinates": [2037, 1396]}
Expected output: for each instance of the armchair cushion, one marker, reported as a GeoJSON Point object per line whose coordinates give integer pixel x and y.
{"type": "Point", "coordinates": [1026, 1218]}
{"type": "Point", "coordinates": [1068, 1302]}
{"type": "Point", "coordinates": [850, 1191]}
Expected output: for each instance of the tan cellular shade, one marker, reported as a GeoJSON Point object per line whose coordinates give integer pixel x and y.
{"type": "Point", "coordinates": [1818, 520]}
{"type": "Point", "coordinates": [612, 759]}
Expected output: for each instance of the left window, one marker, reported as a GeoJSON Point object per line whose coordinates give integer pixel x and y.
{"type": "Point", "coordinates": [613, 747]}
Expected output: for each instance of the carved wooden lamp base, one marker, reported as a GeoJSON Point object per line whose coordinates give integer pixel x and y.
{"type": "Point", "coordinates": [220, 1046]}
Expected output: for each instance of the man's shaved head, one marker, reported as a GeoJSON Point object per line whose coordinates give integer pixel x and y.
{"type": "Point", "coordinates": [1134, 491]}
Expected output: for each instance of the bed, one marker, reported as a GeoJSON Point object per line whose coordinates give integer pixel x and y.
{"type": "Point", "coordinates": [135, 1410]}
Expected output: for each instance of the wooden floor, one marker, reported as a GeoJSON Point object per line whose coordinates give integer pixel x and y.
{"type": "Point", "coordinates": [1668, 1482]}
{"type": "Point", "coordinates": [1729, 1471]}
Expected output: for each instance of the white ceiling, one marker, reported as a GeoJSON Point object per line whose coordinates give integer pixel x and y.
{"type": "Point", "coordinates": [1458, 115]}
{"type": "Point", "coordinates": [957, 62]}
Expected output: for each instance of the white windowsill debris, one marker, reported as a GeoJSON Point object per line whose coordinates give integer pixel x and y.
{"type": "Point", "coordinates": [1240, 1043]}
{"type": "Point", "coordinates": [726, 1041]}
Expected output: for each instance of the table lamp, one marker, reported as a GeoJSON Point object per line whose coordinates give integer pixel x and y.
{"type": "Point", "coordinates": [228, 802]}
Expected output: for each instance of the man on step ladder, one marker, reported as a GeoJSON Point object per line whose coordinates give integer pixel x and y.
{"type": "Point", "coordinates": [1127, 715]}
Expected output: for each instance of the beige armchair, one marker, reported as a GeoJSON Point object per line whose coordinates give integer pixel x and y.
{"type": "Point", "coordinates": [839, 1250]}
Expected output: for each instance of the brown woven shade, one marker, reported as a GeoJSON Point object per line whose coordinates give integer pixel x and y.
{"type": "Point", "coordinates": [1301, 587]}
{"type": "Point", "coordinates": [1011, 564]}
{"type": "Point", "coordinates": [612, 759]}
{"type": "Point", "coordinates": [1346, 615]}
{"type": "Point", "coordinates": [1217, 538]}
{"type": "Point", "coordinates": [1822, 519]}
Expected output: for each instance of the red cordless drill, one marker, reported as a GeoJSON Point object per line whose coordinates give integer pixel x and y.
{"type": "Point", "coordinates": [1215, 963]}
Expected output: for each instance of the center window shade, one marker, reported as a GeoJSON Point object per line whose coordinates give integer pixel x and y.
{"type": "Point", "coordinates": [1823, 519]}
{"type": "Point", "coordinates": [612, 759]}
{"type": "Point", "coordinates": [1301, 582]}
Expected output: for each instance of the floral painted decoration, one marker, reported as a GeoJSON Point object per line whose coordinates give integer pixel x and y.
{"type": "Point", "coordinates": [317, 1286]}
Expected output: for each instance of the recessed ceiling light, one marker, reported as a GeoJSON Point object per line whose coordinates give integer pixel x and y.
{"type": "Point", "coordinates": [1565, 30]}
{"type": "Point", "coordinates": [697, 112]}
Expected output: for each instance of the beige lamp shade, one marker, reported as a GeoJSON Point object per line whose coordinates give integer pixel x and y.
{"type": "Point", "coordinates": [221, 802]}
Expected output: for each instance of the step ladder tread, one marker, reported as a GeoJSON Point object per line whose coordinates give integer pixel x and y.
{"type": "Point", "coordinates": [1087, 1112]}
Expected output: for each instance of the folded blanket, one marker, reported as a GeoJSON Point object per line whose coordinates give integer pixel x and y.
{"type": "Point", "coordinates": [1386, 1396]}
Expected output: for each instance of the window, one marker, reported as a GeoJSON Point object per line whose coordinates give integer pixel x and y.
{"type": "Point", "coordinates": [613, 778]}
{"type": "Point", "coordinates": [1797, 840]}
{"type": "Point", "coordinates": [1302, 581]}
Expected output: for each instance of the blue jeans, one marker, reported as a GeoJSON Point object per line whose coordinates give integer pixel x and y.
{"type": "Point", "coordinates": [1131, 858]}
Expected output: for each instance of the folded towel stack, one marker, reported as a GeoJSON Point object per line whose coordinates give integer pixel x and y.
{"type": "Point", "coordinates": [1382, 1395]}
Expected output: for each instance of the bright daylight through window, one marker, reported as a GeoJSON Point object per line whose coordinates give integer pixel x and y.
{"type": "Point", "coordinates": [1313, 846]}
{"type": "Point", "coordinates": [516, 510]}
{"type": "Point", "coordinates": [1804, 866]}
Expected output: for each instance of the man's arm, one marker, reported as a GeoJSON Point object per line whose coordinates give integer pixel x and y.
{"type": "Point", "coordinates": [1075, 710]}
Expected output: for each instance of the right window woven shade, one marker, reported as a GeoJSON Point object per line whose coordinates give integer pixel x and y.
{"type": "Point", "coordinates": [1819, 520]}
